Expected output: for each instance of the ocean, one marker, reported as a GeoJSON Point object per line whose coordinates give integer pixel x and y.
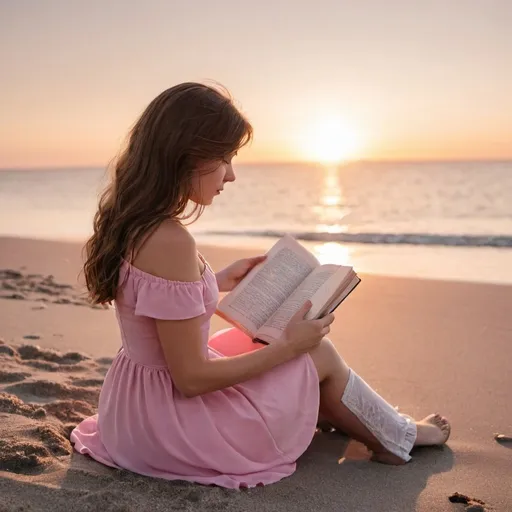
{"type": "Point", "coordinates": [437, 220]}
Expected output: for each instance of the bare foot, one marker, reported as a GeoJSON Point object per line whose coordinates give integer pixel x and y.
{"type": "Point", "coordinates": [432, 430]}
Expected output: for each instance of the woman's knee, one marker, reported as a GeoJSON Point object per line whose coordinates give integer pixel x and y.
{"type": "Point", "coordinates": [326, 358]}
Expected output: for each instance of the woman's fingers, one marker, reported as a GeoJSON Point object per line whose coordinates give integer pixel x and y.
{"type": "Point", "coordinates": [258, 259]}
{"type": "Point", "coordinates": [321, 325]}
{"type": "Point", "coordinates": [327, 320]}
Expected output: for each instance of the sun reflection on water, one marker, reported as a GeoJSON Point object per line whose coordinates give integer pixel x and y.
{"type": "Point", "coordinates": [331, 209]}
{"type": "Point", "coordinates": [331, 212]}
{"type": "Point", "coordinates": [333, 252]}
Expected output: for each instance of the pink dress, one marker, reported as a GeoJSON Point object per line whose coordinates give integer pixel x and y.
{"type": "Point", "coordinates": [242, 436]}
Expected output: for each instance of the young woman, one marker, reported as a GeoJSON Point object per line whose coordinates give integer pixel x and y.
{"type": "Point", "coordinates": [171, 405]}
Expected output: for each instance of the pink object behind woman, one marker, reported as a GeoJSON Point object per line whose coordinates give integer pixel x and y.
{"type": "Point", "coordinates": [248, 434]}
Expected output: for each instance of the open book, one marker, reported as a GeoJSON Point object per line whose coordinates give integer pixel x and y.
{"type": "Point", "coordinates": [263, 303]}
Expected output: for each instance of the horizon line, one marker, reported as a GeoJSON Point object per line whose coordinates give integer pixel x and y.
{"type": "Point", "coordinates": [74, 167]}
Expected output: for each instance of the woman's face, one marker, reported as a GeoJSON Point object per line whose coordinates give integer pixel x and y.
{"type": "Point", "coordinates": [209, 181]}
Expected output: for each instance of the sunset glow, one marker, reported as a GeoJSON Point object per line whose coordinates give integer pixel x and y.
{"type": "Point", "coordinates": [331, 141]}
{"type": "Point", "coordinates": [351, 90]}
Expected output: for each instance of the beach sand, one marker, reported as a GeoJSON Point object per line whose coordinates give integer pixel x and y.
{"type": "Point", "coordinates": [427, 346]}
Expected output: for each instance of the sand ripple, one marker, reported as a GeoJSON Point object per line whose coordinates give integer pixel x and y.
{"type": "Point", "coordinates": [16, 285]}
{"type": "Point", "coordinates": [42, 398]}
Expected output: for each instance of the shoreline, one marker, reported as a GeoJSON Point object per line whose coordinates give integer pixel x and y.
{"type": "Point", "coordinates": [440, 264]}
{"type": "Point", "coordinates": [426, 346]}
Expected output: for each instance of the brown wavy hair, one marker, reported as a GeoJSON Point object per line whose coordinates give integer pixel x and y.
{"type": "Point", "coordinates": [185, 126]}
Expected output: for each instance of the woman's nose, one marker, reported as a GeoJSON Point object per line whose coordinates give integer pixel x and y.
{"type": "Point", "coordinates": [230, 175]}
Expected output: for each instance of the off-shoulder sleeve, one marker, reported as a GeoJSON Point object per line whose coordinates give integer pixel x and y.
{"type": "Point", "coordinates": [169, 300]}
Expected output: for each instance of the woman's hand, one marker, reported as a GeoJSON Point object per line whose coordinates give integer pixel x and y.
{"type": "Point", "coordinates": [228, 278]}
{"type": "Point", "coordinates": [303, 335]}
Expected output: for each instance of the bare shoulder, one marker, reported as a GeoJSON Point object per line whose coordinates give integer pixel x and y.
{"type": "Point", "coordinates": [169, 252]}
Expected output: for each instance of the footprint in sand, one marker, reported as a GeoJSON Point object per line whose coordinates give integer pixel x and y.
{"type": "Point", "coordinates": [21, 456]}
{"type": "Point", "coordinates": [48, 360]}
{"type": "Point", "coordinates": [6, 376]}
{"type": "Point", "coordinates": [40, 288]}
{"type": "Point", "coordinates": [73, 411]}
{"type": "Point", "coordinates": [14, 296]}
{"type": "Point", "coordinates": [53, 439]}
{"type": "Point", "coordinates": [35, 352]}
{"type": "Point", "coordinates": [31, 447]}
{"type": "Point", "coordinates": [38, 413]}
{"type": "Point", "coordinates": [11, 404]}
{"type": "Point", "coordinates": [86, 382]}
{"type": "Point", "coordinates": [6, 349]}
{"type": "Point", "coordinates": [473, 504]}
{"type": "Point", "coordinates": [47, 389]}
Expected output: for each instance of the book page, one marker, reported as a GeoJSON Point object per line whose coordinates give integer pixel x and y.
{"type": "Point", "coordinates": [309, 288]}
{"type": "Point", "coordinates": [333, 288]}
{"type": "Point", "coordinates": [345, 291]}
{"type": "Point", "coordinates": [261, 293]}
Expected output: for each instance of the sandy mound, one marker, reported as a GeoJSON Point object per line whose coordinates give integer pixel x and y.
{"type": "Point", "coordinates": [17, 285]}
{"type": "Point", "coordinates": [41, 400]}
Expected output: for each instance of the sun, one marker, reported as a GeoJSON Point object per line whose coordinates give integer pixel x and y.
{"type": "Point", "coordinates": [331, 141]}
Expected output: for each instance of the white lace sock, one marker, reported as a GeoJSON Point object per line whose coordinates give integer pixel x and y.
{"type": "Point", "coordinates": [394, 431]}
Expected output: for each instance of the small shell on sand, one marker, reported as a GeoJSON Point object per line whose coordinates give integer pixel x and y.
{"type": "Point", "coordinates": [502, 438]}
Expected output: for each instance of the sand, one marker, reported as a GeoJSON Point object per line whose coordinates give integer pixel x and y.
{"type": "Point", "coordinates": [427, 346]}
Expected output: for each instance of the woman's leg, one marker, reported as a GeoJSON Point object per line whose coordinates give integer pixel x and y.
{"type": "Point", "coordinates": [336, 378]}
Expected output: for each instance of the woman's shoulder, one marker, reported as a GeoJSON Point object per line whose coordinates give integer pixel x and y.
{"type": "Point", "coordinates": [163, 280]}
{"type": "Point", "coordinates": [169, 253]}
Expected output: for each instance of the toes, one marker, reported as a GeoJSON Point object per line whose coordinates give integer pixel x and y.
{"type": "Point", "coordinates": [446, 428]}
{"type": "Point", "coordinates": [435, 418]}
{"type": "Point", "coordinates": [438, 420]}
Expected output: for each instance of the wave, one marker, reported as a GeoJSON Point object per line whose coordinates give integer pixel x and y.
{"type": "Point", "coordinates": [446, 240]}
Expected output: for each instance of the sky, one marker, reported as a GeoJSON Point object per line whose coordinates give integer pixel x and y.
{"type": "Point", "coordinates": [341, 79]}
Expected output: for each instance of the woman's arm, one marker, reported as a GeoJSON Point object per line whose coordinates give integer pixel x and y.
{"type": "Point", "coordinates": [170, 252]}
{"type": "Point", "coordinates": [194, 373]}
